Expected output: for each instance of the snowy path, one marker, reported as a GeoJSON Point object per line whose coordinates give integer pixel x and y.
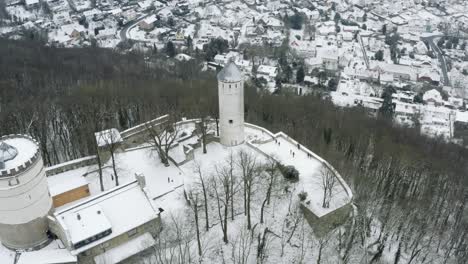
{"type": "Point", "coordinates": [310, 179]}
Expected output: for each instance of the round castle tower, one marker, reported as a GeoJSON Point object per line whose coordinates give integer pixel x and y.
{"type": "Point", "coordinates": [231, 105]}
{"type": "Point", "coordinates": [25, 200]}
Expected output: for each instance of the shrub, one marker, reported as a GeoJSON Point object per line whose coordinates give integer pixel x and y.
{"type": "Point", "coordinates": [290, 172]}
{"type": "Point", "coordinates": [302, 196]}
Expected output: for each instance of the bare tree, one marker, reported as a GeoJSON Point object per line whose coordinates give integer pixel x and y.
{"type": "Point", "coordinates": [249, 167]}
{"type": "Point", "coordinates": [110, 140]}
{"type": "Point", "coordinates": [223, 179]}
{"type": "Point", "coordinates": [205, 193]}
{"type": "Point", "coordinates": [173, 243]}
{"type": "Point", "coordinates": [271, 170]}
{"type": "Point", "coordinates": [241, 246]}
{"type": "Point", "coordinates": [163, 137]}
{"type": "Point", "coordinates": [194, 206]}
{"type": "Point", "coordinates": [328, 182]}
{"type": "Point", "coordinates": [263, 240]}
{"type": "Point", "coordinates": [203, 128]}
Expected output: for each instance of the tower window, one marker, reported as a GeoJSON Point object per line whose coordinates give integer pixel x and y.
{"type": "Point", "coordinates": [229, 86]}
{"type": "Point", "coordinates": [230, 121]}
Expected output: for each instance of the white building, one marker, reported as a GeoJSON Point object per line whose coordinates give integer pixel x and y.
{"type": "Point", "coordinates": [25, 199]}
{"type": "Point", "coordinates": [231, 105]}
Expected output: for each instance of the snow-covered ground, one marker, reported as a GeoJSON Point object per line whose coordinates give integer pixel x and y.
{"type": "Point", "coordinates": [166, 187]}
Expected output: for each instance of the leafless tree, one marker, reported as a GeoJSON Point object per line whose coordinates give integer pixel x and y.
{"type": "Point", "coordinates": [163, 137]}
{"type": "Point", "coordinates": [194, 206]}
{"type": "Point", "coordinates": [203, 128]}
{"type": "Point", "coordinates": [241, 247]}
{"type": "Point", "coordinates": [111, 140]}
{"type": "Point", "coordinates": [250, 169]}
{"type": "Point", "coordinates": [328, 183]}
{"type": "Point", "coordinates": [198, 170]}
{"type": "Point", "coordinates": [263, 243]}
{"type": "Point", "coordinates": [173, 243]}
{"type": "Point", "coordinates": [271, 170]}
{"type": "Point", "coordinates": [222, 180]}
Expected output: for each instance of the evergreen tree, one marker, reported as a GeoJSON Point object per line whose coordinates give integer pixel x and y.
{"type": "Point", "coordinates": [300, 74]}
{"type": "Point", "coordinates": [379, 55]}
{"type": "Point", "coordinates": [296, 21]}
{"type": "Point", "coordinates": [189, 43]}
{"type": "Point", "coordinates": [170, 49]}
{"type": "Point", "coordinates": [384, 29]}
{"type": "Point", "coordinates": [387, 109]}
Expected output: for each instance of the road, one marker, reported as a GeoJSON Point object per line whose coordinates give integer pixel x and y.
{"type": "Point", "coordinates": [440, 56]}
{"type": "Point", "coordinates": [364, 53]}
{"type": "Point", "coordinates": [129, 25]}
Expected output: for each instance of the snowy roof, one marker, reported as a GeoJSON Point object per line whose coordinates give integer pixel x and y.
{"type": "Point", "coordinates": [85, 222]}
{"type": "Point", "coordinates": [182, 57]}
{"type": "Point", "coordinates": [462, 117]}
{"type": "Point", "coordinates": [432, 95]}
{"type": "Point", "coordinates": [123, 208]}
{"type": "Point", "coordinates": [126, 250]}
{"type": "Point", "coordinates": [31, 2]}
{"type": "Point", "coordinates": [108, 137]}
{"type": "Point", "coordinates": [47, 256]}
{"type": "Point", "coordinates": [150, 20]}
{"type": "Point", "coordinates": [230, 73]}
{"type": "Point", "coordinates": [16, 151]}
{"type": "Point", "coordinates": [268, 70]}
{"type": "Point", "coordinates": [59, 184]}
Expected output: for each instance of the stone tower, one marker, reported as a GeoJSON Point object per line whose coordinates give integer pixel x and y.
{"type": "Point", "coordinates": [231, 105]}
{"type": "Point", "coordinates": [25, 200]}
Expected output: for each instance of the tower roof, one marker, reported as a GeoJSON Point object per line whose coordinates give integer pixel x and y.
{"type": "Point", "coordinates": [7, 152]}
{"type": "Point", "coordinates": [230, 73]}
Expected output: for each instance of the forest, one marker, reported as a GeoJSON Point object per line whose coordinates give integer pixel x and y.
{"type": "Point", "coordinates": [413, 185]}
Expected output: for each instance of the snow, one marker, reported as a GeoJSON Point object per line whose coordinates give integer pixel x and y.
{"type": "Point", "coordinates": [85, 223]}
{"type": "Point", "coordinates": [59, 184]}
{"type": "Point", "coordinates": [230, 73]}
{"type": "Point", "coordinates": [159, 178]}
{"type": "Point", "coordinates": [6, 256]}
{"type": "Point", "coordinates": [49, 256]}
{"type": "Point", "coordinates": [125, 208]}
{"type": "Point", "coordinates": [462, 117]}
{"type": "Point", "coordinates": [25, 148]}
{"type": "Point", "coordinates": [310, 179]}
{"type": "Point", "coordinates": [126, 250]}
{"type": "Point", "coordinates": [108, 137]}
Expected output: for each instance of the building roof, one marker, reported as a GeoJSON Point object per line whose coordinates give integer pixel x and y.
{"type": "Point", "coordinates": [230, 73]}
{"type": "Point", "coordinates": [108, 137]}
{"type": "Point", "coordinates": [122, 209]}
{"type": "Point", "coordinates": [126, 250]}
{"type": "Point", "coordinates": [49, 256]}
{"type": "Point", "coordinates": [432, 94]}
{"type": "Point", "coordinates": [59, 184]}
{"type": "Point", "coordinates": [31, 2]}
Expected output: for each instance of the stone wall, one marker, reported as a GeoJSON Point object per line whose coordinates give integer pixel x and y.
{"type": "Point", "coordinates": [71, 165]}
{"type": "Point", "coordinates": [323, 225]}
{"type": "Point", "coordinates": [138, 135]}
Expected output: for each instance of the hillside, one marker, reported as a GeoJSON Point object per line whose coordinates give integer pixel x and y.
{"type": "Point", "coordinates": [410, 191]}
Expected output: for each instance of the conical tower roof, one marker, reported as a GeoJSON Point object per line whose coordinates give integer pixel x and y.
{"type": "Point", "coordinates": [230, 73]}
{"type": "Point", "coordinates": [7, 152]}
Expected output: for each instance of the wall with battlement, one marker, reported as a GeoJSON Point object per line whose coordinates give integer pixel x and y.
{"type": "Point", "coordinates": [23, 167]}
